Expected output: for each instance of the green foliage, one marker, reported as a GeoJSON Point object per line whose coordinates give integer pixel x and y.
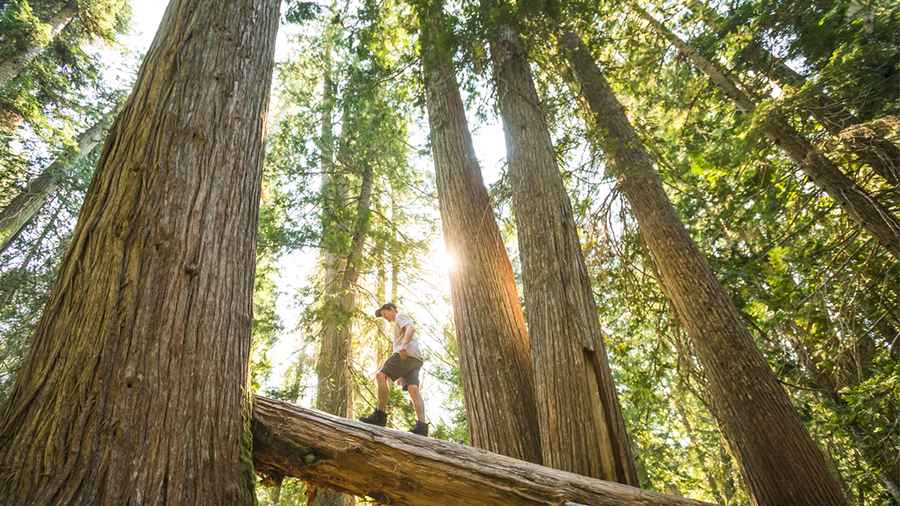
{"type": "Point", "coordinates": [820, 298]}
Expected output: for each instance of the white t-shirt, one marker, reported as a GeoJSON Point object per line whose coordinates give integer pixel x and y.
{"type": "Point", "coordinates": [401, 322]}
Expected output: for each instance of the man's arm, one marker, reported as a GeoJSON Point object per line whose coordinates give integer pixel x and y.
{"type": "Point", "coordinates": [408, 330]}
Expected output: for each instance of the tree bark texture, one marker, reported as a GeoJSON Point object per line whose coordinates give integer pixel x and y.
{"type": "Point", "coordinates": [582, 428]}
{"type": "Point", "coordinates": [879, 153]}
{"type": "Point", "coordinates": [334, 391]}
{"type": "Point", "coordinates": [399, 468]}
{"type": "Point", "coordinates": [859, 205]}
{"type": "Point", "coordinates": [134, 390]}
{"type": "Point", "coordinates": [25, 205]}
{"type": "Point", "coordinates": [15, 64]}
{"type": "Point", "coordinates": [778, 459]}
{"type": "Point", "coordinates": [495, 357]}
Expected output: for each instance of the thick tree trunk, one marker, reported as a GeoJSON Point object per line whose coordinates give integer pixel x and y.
{"type": "Point", "coordinates": [334, 392]}
{"type": "Point", "coordinates": [25, 205]}
{"type": "Point", "coordinates": [859, 205]}
{"type": "Point", "coordinates": [134, 390]}
{"type": "Point", "coordinates": [399, 468]}
{"type": "Point", "coordinates": [779, 460]}
{"type": "Point", "coordinates": [15, 64]}
{"type": "Point", "coordinates": [495, 358]}
{"type": "Point", "coordinates": [879, 153]}
{"type": "Point", "coordinates": [582, 428]}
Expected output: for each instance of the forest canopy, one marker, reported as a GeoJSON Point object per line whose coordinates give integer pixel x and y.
{"type": "Point", "coordinates": [650, 242]}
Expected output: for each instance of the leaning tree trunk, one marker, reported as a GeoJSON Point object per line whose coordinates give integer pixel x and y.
{"type": "Point", "coordinates": [582, 428]}
{"type": "Point", "coordinates": [495, 359]}
{"type": "Point", "coordinates": [334, 391]}
{"type": "Point", "coordinates": [778, 459]}
{"type": "Point", "coordinates": [862, 207]}
{"type": "Point", "coordinates": [134, 390]}
{"type": "Point", "coordinates": [879, 153]}
{"type": "Point", "coordinates": [25, 205]}
{"type": "Point", "coordinates": [13, 65]}
{"type": "Point", "coordinates": [403, 469]}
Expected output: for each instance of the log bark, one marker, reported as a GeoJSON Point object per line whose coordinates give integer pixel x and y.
{"type": "Point", "coordinates": [15, 64]}
{"type": "Point", "coordinates": [399, 468]}
{"type": "Point", "coordinates": [495, 355]}
{"type": "Point", "coordinates": [134, 390]}
{"type": "Point", "coordinates": [779, 461]}
{"type": "Point", "coordinates": [859, 205]}
{"type": "Point", "coordinates": [582, 427]}
{"type": "Point", "coordinates": [25, 205]}
{"type": "Point", "coordinates": [882, 155]}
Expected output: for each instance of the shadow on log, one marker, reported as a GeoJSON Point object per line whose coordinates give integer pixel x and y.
{"type": "Point", "coordinates": [399, 468]}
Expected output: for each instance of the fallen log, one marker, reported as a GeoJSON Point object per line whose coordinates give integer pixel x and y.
{"type": "Point", "coordinates": [398, 468]}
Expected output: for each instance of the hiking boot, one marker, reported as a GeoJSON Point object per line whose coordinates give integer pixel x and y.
{"type": "Point", "coordinates": [420, 428]}
{"type": "Point", "coordinates": [378, 417]}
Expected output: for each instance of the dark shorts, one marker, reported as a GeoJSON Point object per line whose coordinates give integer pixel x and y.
{"type": "Point", "coordinates": [408, 369]}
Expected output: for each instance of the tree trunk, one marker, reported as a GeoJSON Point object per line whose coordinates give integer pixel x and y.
{"type": "Point", "coordinates": [334, 392]}
{"type": "Point", "coordinates": [779, 460]}
{"type": "Point", "coordinates": [335, 387]}
{"type": "Point", "coordinates": [582, 428]}
{"type": "Point", "coordinates": [25, 205]}
{"type": "Point", "coordinates": [495, 359]}
{"type": "Point", "coordinates": [15, 64]}
{"type": "Point", "coordinates": [876, 151]}
{"type": "Point", "coordinates": [864, 209]}
{"type": "Point", "coordinates": [134, 390]}
{"type": "Point", "coordinates": [399, 468]}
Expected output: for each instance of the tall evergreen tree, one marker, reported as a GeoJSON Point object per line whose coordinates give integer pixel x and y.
{"type": "Point", "coordinates": [582, 428]}
{"type": "Point", "coordinates": [876, 151]}
{"type": "Point", "coordinates": [855, 200]}
{"type": "Point", "coordinates": [137, 373]}
{"type": "Point", "coordinates": [495, 357]}
{"type": "Point", "coordinates": [779, 460]}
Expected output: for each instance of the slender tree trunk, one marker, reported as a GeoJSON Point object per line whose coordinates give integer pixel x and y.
{"type": "Point", "coordinates": [495, 358]}
{"type": "Point", "coordinates": [779, 460]}
{"type": "Point", "coordinates": [25, 205]}
{"type": "Point", "coordinates": [135, 387]}
{"type": "Point", "coordinates": [334, 393]}
{"type": "Point", "coordinates": [15, 64]}
{"type": "Point", "coordinates": [879, 153]}
{"type": "Point", "coordinates": [382, 341]}
{"type": "Point", "coordinates": [864, 209]}
{"type": "Point", "coordinates": [335, 389]}
{"type": "Point", "coordinates": [711, 480]}
{"type": "Point", "coordinates": [582, 428]}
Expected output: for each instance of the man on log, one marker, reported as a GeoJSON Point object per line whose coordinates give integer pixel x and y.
{"type": "Point", "coordinates": [403, 367]}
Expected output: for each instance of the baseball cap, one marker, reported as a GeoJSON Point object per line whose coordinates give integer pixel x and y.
{"type": "Point", "coordinates": [386, 305]}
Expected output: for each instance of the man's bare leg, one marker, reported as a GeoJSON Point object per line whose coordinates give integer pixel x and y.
{"type": "Point", "coordinates": [417, 402]}
{"type": "Point", "coordinates": [383, 390]}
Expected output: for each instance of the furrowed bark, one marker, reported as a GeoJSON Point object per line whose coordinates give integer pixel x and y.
{"type": "Point", "coordinates": [879, 153]}
{"type": "Point", "coordinates": [582, 428]}
{"type": "Point", "coordinates": [25, 205]}
{"type": "Point", "coordinates": [399, 468]}
{"type": "Point", "coordinates": [15, 64]}
{"type": "Point", "coordinates": [779, 461]}
{"type": "Point", "coordinates": [495, 357]}
{"type": "Point", "coordinates": [133, 391]}
{"type": "Point", "coordinates": [859, 205]}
